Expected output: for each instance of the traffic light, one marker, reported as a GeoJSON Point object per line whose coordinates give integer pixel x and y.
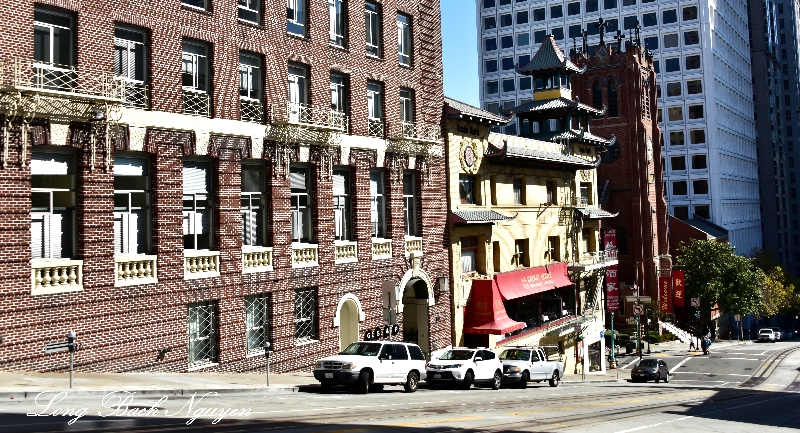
{"type": "Point", "coordinates": [696, 313]}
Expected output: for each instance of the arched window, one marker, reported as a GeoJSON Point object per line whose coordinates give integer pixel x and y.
{"type": "Point", "coordinates": [613, 107]}
{"type": "Point", "coordinates": [597, 96]}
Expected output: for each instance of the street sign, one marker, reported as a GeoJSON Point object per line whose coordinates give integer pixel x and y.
{"type": "Point", "coordinates": [62, 346]}
{"type": "Point", "coordinates": [695, 302]}
{"type": "Point", "coordinates": [642, 299]}
{"type": "Point", "coordinates": [630, 320]}
{"type": "Point", "coordinates": [638, 309]}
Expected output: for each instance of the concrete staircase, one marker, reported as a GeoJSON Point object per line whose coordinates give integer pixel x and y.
{"type": "Point", "coordinates": [674, 330]}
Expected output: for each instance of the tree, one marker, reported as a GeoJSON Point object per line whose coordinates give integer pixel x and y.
{"type": "Point", "coordinates": [716, 275]}
{"type": "Point", "coordinates": [778, 291]}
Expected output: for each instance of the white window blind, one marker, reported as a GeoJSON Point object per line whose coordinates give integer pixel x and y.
{"type": "Point", "coordinates": [128, 166]}
{"type": "Point", "coordinates": [52, 163]}
{"type": "Point", "coordinates": [48, 230]}
{"type": "Point", "coordinates": [196, 177]}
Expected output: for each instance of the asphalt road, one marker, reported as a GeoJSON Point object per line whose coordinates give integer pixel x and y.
{"type": "Point", "coordinates": [741, 389]}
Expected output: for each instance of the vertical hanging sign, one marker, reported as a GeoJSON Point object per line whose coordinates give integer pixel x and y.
{"type": "Point", "coordinates": [612, 280]}
{"type": "Point", "coordinates": [664, 303]}
{"type": "Point", "coordinates": [678, 280]}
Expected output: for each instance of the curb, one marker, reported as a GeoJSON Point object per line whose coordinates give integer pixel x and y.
{"type": "Point", "coordinates": [587, 382]}
{"type": "Point", "coordinates": [27, 395]}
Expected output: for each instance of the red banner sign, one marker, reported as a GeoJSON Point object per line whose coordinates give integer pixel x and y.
{"type": "Point", "coordinates": [612, 279]}
{"type": "Point", "coordinates": [678, 280]}
{"type": "Point", "coordinates": [664, 303]}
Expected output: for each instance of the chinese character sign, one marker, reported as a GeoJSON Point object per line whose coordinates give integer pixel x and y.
{"type": "Point", "coordinates": [678, 280]}
{"type": "Point", "coordinates": [664, 303]}
{"type": "Point", "coordinates": [612, 280]}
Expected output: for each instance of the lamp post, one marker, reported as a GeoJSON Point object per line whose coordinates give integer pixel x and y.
{"type": "Point", "coordinates": [643, 299]}
{"type": "Point", "coordinates": [266, 355]}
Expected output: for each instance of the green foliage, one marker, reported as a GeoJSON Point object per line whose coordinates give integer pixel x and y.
{"type": "Point", "coordinates": [778, 294]}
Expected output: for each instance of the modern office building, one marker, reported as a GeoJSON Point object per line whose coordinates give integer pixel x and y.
{"type": "Point", "coordinates": [183, 184]}
{"type": "Point", "coordinates": [702, 58]}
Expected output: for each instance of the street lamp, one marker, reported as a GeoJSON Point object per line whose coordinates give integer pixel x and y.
{"type": "Point", "coordinates": [643, 299]}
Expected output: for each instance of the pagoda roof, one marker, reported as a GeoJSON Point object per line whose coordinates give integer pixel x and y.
{"type": "Point", "coordinates": [459, 110]}
{"type": "Point", "coordinates": [549, 58]}
{"type": "Point", "coordinates": [574, 134]}
{"type": "Point", "coordinates": [528, 156]}
{"type": "Point", "coordinates": [554, 104]}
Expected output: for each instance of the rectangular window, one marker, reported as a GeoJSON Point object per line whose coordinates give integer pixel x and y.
{"type": "Point", "coordinates": [574, 31]}
{"type": "Point", "coordinates": [671, 41]}
{"type": "Point", "coordinates": [492, 87]}
{"type": "Point", "coordinates": [691, 37]}
{"type": "Point", "coordinates": [695, 111]}
{"type": "Point", "coordinates": [488, 4]}
{"type": "Point", "coordinates": [694, 87]}
{"type": "Point", "coordinates": [53, 184]}
{"type": "Point", "coordinates": [250, 10]}
{"type": "Point", "coordinates": [250, 87]}
{"type": "Point", "coordinates": [340, 93]}
{"type": "Point", "coordinates": [556, 12]}
{"type": "Point", "coordinates": [672, 65]}
{"type": "Point", "coordinates": [681, 212]}
{"type": "Point", "coordinates": [628, 3]}
{"type": "Point", "coordinates": [669, 16]}
{"type": "Point", "coordinates": [676, 138]}
{"type": "Point", "coordinates": [296, 17]}
{"type": "Point", "coordinates": [507, 63]}
{"type": "Point", "coordinates": [702, 211]}
{"type": "Point", "coordinates": [652, 43]}
{"type": "Point", "coordinates": [609, 4]}
{"type": "Point", "coordinates": [573, 8]}
{"type": "Point", "coordinates": [130, 64]}
{"type": "Point", "coordinates": [699, 162]}
{"type": "Point", "coordinates": [678, 163]}
{"type": "Point", "coordinates": [586, 193]}
{"type": "Point", "coordinates": [466, 188]}
{"type": "Point", "coordinates": [520, 253]}
{"type": "Point", "coordinates": [690, 13]}
{"type": "Point", "coordinates": [469, 254]}
{"type": "Point", "coordinates": [523, 40]}
{"type": "Point", "coordinates": [508, 85]}
{"type": "Point", "coordinates": [700, 187]}
{"type": "Point", "coordinates": [404, 39]}
{"type": "Point", "coordinates": [337, 14]}
{"type": "Point", "coordinates": [410, 203]}
{"type": "Point", "coordinates": [506, 20]}
{"type": "Point", "coordinates": [675, 114]}
{"type": "Point", "coordinates": [53, 47]}
{"type": "Point", "coordinates": [506, 42]}
{"type": "Point", "coordinates": [525, 83]}
{"type": "Point", "coordinates": [301, 203]}
{"type": "Point", "coordinates": [629, 22]}
{"type": "Point", "coordinates": [538, 36]}
{"type": "Point", "coordinates": [674, 89]}
{"type": "Point", "coordinates": [257, 322]}
{"type": "Point", "coordinates": [298, 87]}
{"type": "Point", "coordinates": [489, 23]}
{"type": "Point", "coordinates": [491, 66]}
{"type": "Point", "coordinates": [305, 315]}
{"type": "Point", "coordinates": [558, 33]}
{"type": "Point", "coordinates": [490, 44]}
{"type": "Point", "coordinates": [519, 190]}
{"type": "Point", "coordinates": [679, 188]}
{"type": "Point", "coordinates": [550, 186]}
{"type": "Point", "coordinates": [377, 203]}
{"type": "Point", "coordinates": [131, 204]}
{"type": "Point", "coordinates": [195, 75]}
{"type": "Point", "coordinates": [591, 6]}
{"type": "Point", "coordinates": [254, 198]}
{"type": "Point", "coordinates": [692, 62]}
{"type": "Point", "coordinates": [375, 108]}
{"type": "Point", "coordinates": [202, 327]}
{"type": "Point", "coordinates": [342, 217]}
{"type": "Point", "coordinates": [553, 245]}
{"type": "Point", "coordinates": [522, 17]}
{"type": "Point", "coordinates": [538, 14]}
{"type": "Point", "coordinates": [611, 26]}
{"type": "Point", "coordinates": [197, 205]}
{"type": "Point", "coordinates": [407, 110]}
{"type": "Point", "coordinates": [697, 136]}
{"type": "Point", "coordinates": [372, 17]}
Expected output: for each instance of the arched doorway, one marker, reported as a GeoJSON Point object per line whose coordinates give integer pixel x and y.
{"type": "Point", "coordinates": [415, 313]}
{"type": "Point", "coordinates": [348, 323]}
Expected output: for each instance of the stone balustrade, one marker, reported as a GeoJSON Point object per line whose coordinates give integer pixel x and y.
{"type": "Point", "coordinates": [256, 259]}
{"type": "Point", "coordinates": [200, 264]}
{"type": "Point", "coordinates": [304, 255]}
{"type": "Point", "coordinates": [346, 252]}
{"type": "Point", "coordinates": [381, 249]}
{"type": "Point", "coordinates": [56, 276]}
{"type": "Point", "coordinates": [413, 244]}
{"type": "Point", "coordinates": [135, 269]}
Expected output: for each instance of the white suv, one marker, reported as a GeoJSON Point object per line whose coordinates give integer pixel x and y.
{"type": "Point", "coordinates": [465, 366]}
{"type": "Point", "coordinates": [365, 363]}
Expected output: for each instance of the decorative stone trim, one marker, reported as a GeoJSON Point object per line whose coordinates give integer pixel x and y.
{"type": "Point", "coordinates": [346, 252]}
{"type": "Point", "coordinates": [305, 255]}
{"type": "Point", "coordinates": [135, 269]}
{"type": "Point", "coordinates": [381, 249]}
{"type": "Point", "coordinates": [413, 244]}
{"type": "Point", "coordinates": [256, 259]}
{"type": "Point", "coordinates": [200, 264]}
{"type": "Point", "coordinates": [56, 276]}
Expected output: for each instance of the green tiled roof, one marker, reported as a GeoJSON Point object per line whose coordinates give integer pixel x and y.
{"type": "Point", "coordinates": [553, 104]}
{"type": "Point", "coordinates": [458, 109]}
{"type": "Point", "coordinates": [549, 57]}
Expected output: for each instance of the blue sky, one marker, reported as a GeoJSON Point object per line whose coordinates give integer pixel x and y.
{"type": "Point", "coordinates": [460, 51]}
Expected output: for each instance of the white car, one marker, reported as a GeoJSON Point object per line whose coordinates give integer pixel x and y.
{"type": "Point", "coordinates": [526, 363]}
{"type": "Point", "coordinates": [766, 334]}
{"type": "Point", "coordinates": [465, 366]}
{"type": "Point", "coordinates": [364, 363]}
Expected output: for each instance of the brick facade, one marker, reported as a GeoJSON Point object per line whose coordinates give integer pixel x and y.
{"type": "Point", "coordinates": [127, 328]}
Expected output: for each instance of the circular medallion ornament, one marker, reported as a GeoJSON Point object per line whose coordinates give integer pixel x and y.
{"type": "Point", "coordinates": [469, 156]}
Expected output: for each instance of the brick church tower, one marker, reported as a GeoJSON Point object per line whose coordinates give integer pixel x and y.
{"type": "Point", "coordinates": [624, 82]}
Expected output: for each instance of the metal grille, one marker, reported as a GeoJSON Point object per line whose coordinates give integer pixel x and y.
{"type": "Point", "coordinates": [305, 315]}
{"type": "Point", "coordinates": [202, 333]}
{"type": "Point", "coordinates": [251, 110]}
{"type": "Point", "coordinates": [376, 128]}
{"type": "Point", "coordinates": [196, 103]}
{"type": "Point", "coordinates": [257, 321]}
{"type": "Point", "coordinates": [32, 74]}
{"type": "Point", "coordinates": [135, 94]}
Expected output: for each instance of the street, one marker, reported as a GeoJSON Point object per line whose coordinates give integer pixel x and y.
{"type": "Point", "coordinates": [712, 393]}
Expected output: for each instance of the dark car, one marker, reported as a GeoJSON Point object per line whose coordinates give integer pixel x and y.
{"type": "Point", "coordinates": [650, 369]}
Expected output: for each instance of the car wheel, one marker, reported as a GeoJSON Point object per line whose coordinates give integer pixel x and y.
{"type": "Point", "coordinates": [412, 381]}
{"type": "Point", "coordinates": [326, 387]}
{"type": "Point", "coordinates": [497, 379]}
{"type": "Point", "coordinates": [523, 381]}
{"type": "Point", "coordinates": [468, 379]}
{"type": "Point", "coordinates": [554, 379]}
{"type": "Point", "coordinates": [666, 378]}
{"type": "Point", "coordinates": [362, 386]}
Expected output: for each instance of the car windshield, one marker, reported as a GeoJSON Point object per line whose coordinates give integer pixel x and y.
{"type": "Point", "coordinates": [365, 349]}
{"type": "Point", "coordinates": [516, 355]}
{"type": "Point", "coordinates": [458, 355]}
{"type": "Point", "coordinates": [765, 331]}
{"type": "Point", "coordinates": [648, 363]}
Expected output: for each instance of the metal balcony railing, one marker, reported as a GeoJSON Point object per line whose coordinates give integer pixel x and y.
{"type": "Point", "coordinates": [376, 128]}
{"type": "Point", "coordinates": [251, 110]}
{"type": "Point", "coordinates": [70, 81]}
{"type": "Point", "coordinates": [136, 94]}
{"type": "Point", "coordinates": [416, 131]}
{"type": "Point", "coordinates": [574, 202]}
{"type": "Point", "coordinates": [196, 103]}
{"type": "Point", "coordinates": [598, 257]}
{"type": "Point", "coordinates": [293, 113]}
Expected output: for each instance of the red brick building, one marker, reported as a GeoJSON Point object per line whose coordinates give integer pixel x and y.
{"type": "Point", "coordinates": [182, 184]}
{"type": "Point", "coordinates": [631, 173]}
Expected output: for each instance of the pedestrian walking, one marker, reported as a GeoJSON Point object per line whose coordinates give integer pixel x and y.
{"type": "Point", "coordinates": [691, 342]}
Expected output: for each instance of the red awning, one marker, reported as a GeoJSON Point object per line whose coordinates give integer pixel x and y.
{"type": "Point", "coordinates": [486, 313]}
{"type": "Point", "coordinates": [517, 284]}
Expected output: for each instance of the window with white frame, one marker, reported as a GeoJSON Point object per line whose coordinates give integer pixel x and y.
{"type": "Point", "coordinates": [202, 327]}
{"type": "Point", "coordinates": [257, 314]}
{"type": "Point", "coordinates": [53, 199]}
{"type": "Point", "coordinates": [407, 111]}
{"type": "Point", "coordinates": [404, 39]}
{"type": "Point", "coordinates": [301, 202]}
{"type": "Point", "coordinates": [195, 71]}
{"type": "Point", "coordinates": [200, 4]}
{"type": "Point", "coordinates": [52, 37]}
{"type": "Point", "coordinates": [130, 54]}
{"type": "Point", "coordinates": [375, 100]}
{"type": "Point", "coordinates": [131, 204]}
{"type": "Point", "coordinates": [338, 16]}
{"type": "Point", "coordinates": [469, 254]}
{"type": "Point", "coordinates": [305, 315]}
{"type": "Point", "coordinates": [340, 93]}
{"type": "Point", "coordinates": [250, 10]}
{"type": "Point", "coordinates": [373, 28]}
{"type": "Point", "coordinates": [250, 82]}
{"type": "Point", "coordinates": [342, 219]}
{"type": "Point", "coordinates": [377, 203]}
{"type": "Point", "coordinates": [410, 203]}
{"type": "Point", "coordinates": [298, 92]}
{"type": "Point", "coordinates": [466, 188]}
{"type": "Point", "coordinates": [296, 17]}
{"type": "Point", "coordinates": [253, 203]}
{"type": "Point", "coordinates": [197, 205]}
